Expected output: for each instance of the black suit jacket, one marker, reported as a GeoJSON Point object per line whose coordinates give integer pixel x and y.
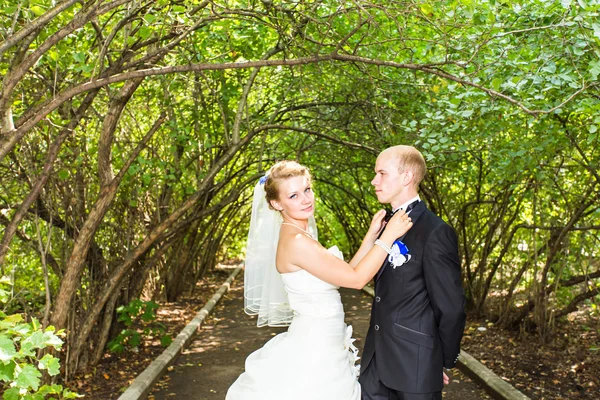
{"type": "Point", "coordinates": [418, 317]}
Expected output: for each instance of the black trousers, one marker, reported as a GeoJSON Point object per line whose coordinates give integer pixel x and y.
{"type": "Point", "coordinates": [373, 389]}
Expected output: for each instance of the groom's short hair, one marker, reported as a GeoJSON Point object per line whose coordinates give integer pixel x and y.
{"type": "Point", "coordinates": [409, 158]}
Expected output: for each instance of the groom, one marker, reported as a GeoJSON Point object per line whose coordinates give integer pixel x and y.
{"type": "Point", "coordinates": [417, 319]}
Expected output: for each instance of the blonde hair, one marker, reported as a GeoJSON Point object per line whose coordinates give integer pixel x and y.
{"type": "Point", "coordinates": [281, 171]}
{"type": "Point", "coordinates": [409, 158]}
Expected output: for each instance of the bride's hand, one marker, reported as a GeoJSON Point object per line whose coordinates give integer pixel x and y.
{"type": "Point", "coordinates": [377, 224]}
{"type": "Point", "coordinates": [397, 226]}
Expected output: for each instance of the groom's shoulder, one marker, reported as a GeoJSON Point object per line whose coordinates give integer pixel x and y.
{"type": "Point", "coordinates": [432, 220]}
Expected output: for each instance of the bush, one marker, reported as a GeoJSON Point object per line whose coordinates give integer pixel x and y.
{"type": "Point", "coordinates": [138, 316]}
{"type": "Point", "coordinates": [20, 367]}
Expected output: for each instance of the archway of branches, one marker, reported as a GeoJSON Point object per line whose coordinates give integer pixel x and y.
{"type": "Point", "coordinates": [133, 133]}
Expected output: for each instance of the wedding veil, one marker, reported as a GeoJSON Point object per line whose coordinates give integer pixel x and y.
{"type": "Point", "coordinates": [264, 293]}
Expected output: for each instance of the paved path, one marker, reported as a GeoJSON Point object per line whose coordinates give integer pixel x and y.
{"type": "Point", "coordinates": [216, 357]}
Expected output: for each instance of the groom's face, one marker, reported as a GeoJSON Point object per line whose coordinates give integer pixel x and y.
{"type": "Point", "coordinates": [387, 181]}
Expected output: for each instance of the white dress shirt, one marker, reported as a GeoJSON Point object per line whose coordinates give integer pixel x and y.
{"type": "Point", "coordinates": [403, 206]}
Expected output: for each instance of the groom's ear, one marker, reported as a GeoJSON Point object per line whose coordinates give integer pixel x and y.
{"type": "Point", "coordinates": [408, 177]}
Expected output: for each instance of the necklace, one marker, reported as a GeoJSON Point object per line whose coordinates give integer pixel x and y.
{"type": "Point", "coordinates": [303, 230]}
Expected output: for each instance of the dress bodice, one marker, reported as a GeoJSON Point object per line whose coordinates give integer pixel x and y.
{"type": "Point", "coordinates": [302, 281]}
{"type": "Point", "coordinates": [311, 296]}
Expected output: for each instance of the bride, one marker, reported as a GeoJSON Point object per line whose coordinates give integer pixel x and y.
{"type": "Point", "coordinates": [290, 279]}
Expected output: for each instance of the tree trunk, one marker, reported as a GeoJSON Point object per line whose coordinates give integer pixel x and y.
{"type": "Point", "coordinates": [74, 266]}
{"type": "Point", "coordinates": [103, 335]}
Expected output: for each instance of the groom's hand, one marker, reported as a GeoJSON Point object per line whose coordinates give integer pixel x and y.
{"type": "Point", "coordinates": [446, 379]}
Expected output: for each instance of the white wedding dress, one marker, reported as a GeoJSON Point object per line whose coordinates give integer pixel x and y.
{"type": "Point", "coordinates": [314, 360]}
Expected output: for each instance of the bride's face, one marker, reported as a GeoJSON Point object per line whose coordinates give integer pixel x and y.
{"type": "Point", "coordinates": [296, 198]}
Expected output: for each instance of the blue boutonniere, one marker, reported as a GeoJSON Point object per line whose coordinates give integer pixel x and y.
{"type": "Point", "coordinates": [399, 255]}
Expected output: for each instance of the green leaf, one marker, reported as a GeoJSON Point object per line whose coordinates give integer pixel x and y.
{"type": "Point", "coordinates": [63, 174]}
{"type": "Point", "coordinates": [146, 178]}
{"type": "Point", "coordinates": [427, 9]}
{"type": "Point", "coordinates": [135, 339]}
{"type": "Point", "coordinates": [496, 84]}
{"type": "Point", "coordinates": [4, 296]}
{"type": "Point", "coordinates": [34, 396]}
{"type": "Point", "coordinates": [7, 349]}
{"type": "Point", "coordinates": [35, 341]}
{"type": "Point", "coordinates": [7, 371]}
{"type": "Point", "coordinates": [37, 10]}
{"type": "Point", "coordinates": [51, 363]}
{"type": "Point", "coordinates": [14, 318]}
{"type": "Point", "coordinates": [67, 394]}
{"type": "Point", "coordinates": [10, 9]}
{"type": "Point", "coordinates": [21, 329]}
{"type": "Point", "coordinates": [550, 68]}
{"type": "Point", "coordinates": [595, 69]}
{"type": "Point", "coordinates": [50, 339]}
{"type": "Point", "coordinates": [49, 389]}
{"type": "Point", "coordinates": [87, 68]}
{"type": "Point", "coordinates": [166, 340]}
{"type": "Point", "coordinates": [53, 54]}
{"type": "Point", "coordinates": [11, 394]}
{"type": "Point", "coordinates": [28, 378]}
{"type": "Point", "coordinates": [79, 57]}
{"type": "Point", "coordinates": [144, 32]}
{"type": "Point", "coordinates": [115, 347]}
{"type": "Point", "coordinates": [596, 27]}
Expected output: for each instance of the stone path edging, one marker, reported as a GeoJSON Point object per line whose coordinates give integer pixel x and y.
{"type": "Point", "coordinates": [143, 383]}
{"type": "Point", "coordinates": [492, 383]}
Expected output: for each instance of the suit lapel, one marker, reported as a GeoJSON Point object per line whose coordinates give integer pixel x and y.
{"type": "Point", "coordinates": [414, 215]}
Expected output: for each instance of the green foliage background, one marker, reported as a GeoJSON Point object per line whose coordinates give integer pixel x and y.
{"type": "Point", "coordinates": [500, 96]}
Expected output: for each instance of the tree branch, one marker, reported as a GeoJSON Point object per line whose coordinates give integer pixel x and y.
{"type": "Point", "coordinates": [34, 25]}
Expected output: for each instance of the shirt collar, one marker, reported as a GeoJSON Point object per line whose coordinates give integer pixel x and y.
{"type": "Point", "coordinates": [403, 206]}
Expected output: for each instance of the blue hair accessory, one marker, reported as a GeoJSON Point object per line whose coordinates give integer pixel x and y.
{"type": "Point", "coordinates": [262, 179]}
